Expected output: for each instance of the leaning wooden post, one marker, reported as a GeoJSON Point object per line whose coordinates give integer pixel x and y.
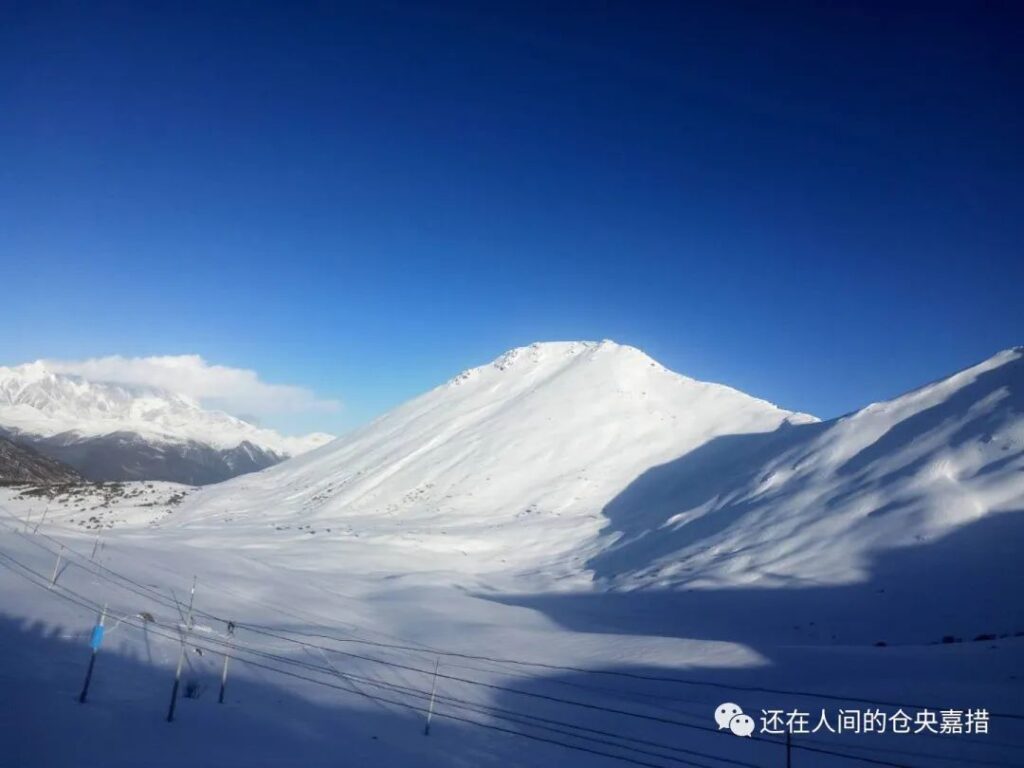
{"type": "Point", "coordinates": [227, 658]}
{"type": "Point", "coordinates": [433, 690]}
{"type": "Point", "coordinates": [94, 642]}
{"type": "Point", "coordinates": [181, 655]}
{"type": "Point", "coordinates": [41, 519]}
{"type": "Point", "coordinates": [56, 566]}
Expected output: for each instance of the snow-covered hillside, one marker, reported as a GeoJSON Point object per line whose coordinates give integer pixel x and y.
{"type": "Point", "coordinates": [116, 431]}
{"type": "Point", "coordinates": [508, 464]}
{"type": "Point", "coordinates": [595, 551]}
{"type": "Point", "coordinates": [579, 465]}
{"type": "Point", "coordinates": [900, 523]}
{"type": "Point", "coordinates": [20, 464]}
{"type": "Point", "coordinates": [816, 502]}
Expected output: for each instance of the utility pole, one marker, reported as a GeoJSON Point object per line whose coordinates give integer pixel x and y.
{"type": "Point", "coordinates": [181, 656]}
{"type": "Point", "coordinates": [433, 689]}
{"type": "Point", "coordinates": [94, 642]}
{"type": "Point", "coordinates": [56, 566]}
{"type": "Point", "coordinates": [227, 658]}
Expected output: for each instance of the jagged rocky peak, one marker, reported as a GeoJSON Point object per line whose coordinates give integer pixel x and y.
{"type": "Point", "coordinates": [112, 431]}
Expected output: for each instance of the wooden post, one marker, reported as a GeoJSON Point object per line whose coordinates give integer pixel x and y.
{"type": "Point", "coordinates": [41, 519]}
{"type": "Point", "coordinates": [181, 656]}
{"type": "Point", "coordinates": [227, 658]}
{"type": "Point", "coordinates": [433, 690]}
{"type": "Point", "coordinates": [95, 545]}
{"type": "Point", "coordinates": [56, 566]}
{"type": "Point", "coordinates": [95, 641]}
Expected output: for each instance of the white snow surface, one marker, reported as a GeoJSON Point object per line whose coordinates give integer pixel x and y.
{"type": "Point", "coordinates": [570, 504]}
{"type": "Point", "coordinates": [39, 401]}
{"type": "Point", "coordinates": [505, 467]}
{"type": "Point", "coordinates": [820, 503]}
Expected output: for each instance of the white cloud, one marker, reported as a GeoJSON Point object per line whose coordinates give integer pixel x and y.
{"type": "Point", "coordinates": [236, 390]}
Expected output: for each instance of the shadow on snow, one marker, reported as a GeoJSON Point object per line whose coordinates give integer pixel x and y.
{"type": "Point", "coordinates": [262, 723]}
{"type": "Point", "coordinates": [730, 462]}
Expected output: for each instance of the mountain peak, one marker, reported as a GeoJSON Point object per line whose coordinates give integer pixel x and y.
{"type": "Point", "coordinates": [553, 354]}
{"type": "Point", "coordinates": [31, 371]}
{"type": "Point", "coordinates": [540, 350]}
{"type": "Point", "coordinates": [36, 400]}
{"type": "Point", "coordinates": [545, 432]}
{"type": "Point", "coordinates": [627, 368]}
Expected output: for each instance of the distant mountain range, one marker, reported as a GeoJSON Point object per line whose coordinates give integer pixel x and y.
{"type": "Point", "coordinates": [109, 431]}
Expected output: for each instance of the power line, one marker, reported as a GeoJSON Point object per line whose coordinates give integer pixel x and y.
{"type": "Point", "coordinates": [461, 703]}
{"type": "Point", "coordinates": [256, 628]}
{"type": "Point", "coordinates": [892, 751]}
{"type": "Point", "coordinates": [270, 633]}
{"type": "Point", "coordinates": [481, 708]}
{"type": "Point", "coordinates": [151, 593]}
{"type": "Point", "coordinates": [492, 711]}
{"type": "Point", "coordinates": [557, 667]}
{"type": "Point", "coordinates": [621, 673]}
{"type": "Point", "coordinates": [39, 581]}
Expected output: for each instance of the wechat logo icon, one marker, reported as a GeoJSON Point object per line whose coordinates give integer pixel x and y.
{"type": "Point", "coordinates": [731, 716]}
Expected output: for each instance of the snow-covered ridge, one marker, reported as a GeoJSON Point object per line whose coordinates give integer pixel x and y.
{"type": "Point", "coordinates": [516, 457]}
{"type": "Point", "coordinates": [547, 351]}
{"type": "Point", "coordinates": [35, 400]}
{"type": "Point", "coordinates": [827, 502]}
{"type": "Point", "coordinates": [585, 459]}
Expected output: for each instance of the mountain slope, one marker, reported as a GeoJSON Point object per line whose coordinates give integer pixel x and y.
{"type": "Point", "coordinates": [590, 485]}
{"type": "Point", "coordinates": [819, 502]}
{"type": "Point", "coordinates": [118, 432]}
{"type": "Point", "coordinates": [508, 463]}
{"type": "Point", "coordinates": [124, 456]}
{"type": "Point", "coordinates": [737, 551]}
{"type": "Point", "coordinates": [585, 461]}
{"type": "Point", "coordinates": [20, 464]}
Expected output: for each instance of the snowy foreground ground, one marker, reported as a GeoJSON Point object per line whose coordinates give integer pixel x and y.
{"type": "Point", "coordinates": [592, 616]}
{"type": "Point", "coordinates": [321, 610]}
{"type": "Point", "coordinates": [311, 612]}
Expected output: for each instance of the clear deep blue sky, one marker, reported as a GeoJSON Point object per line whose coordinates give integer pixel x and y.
{"type": "Point", "coordinates": [819, 204]}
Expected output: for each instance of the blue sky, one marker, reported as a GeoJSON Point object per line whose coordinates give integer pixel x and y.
{"type": "Point", "coordinates": [819, 206]}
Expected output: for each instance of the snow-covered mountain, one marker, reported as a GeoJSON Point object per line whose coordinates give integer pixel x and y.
{"type": "Point", "coordinates": [111, 431]}
{"type": "Point", "coordinates": [819, 502]}
{"type": "Point", "coordinates": [584, 460]}
{"type": "Point", "coordinates": [508, 463]}
{"type": "Point", "coordinates": [571, 523]}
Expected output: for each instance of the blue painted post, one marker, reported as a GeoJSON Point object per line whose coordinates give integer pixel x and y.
{"type": "Point", "coordinates": [94, 642]}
